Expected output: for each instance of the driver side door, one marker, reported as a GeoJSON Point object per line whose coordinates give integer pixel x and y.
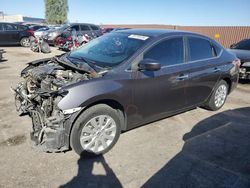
{"type": "Point", "coordinates": [160, 93]}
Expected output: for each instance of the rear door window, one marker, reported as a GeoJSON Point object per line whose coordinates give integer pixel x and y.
{"type": "Point", "coordinates": [1, 27]}
{"type": "Point", "coordinates": [168, 52]}
{"type": "Point", "coordinates": [84, 27]}
{"type": "Point", "coordinates": [199, 49]}
{"type": "Point", "coordinates": [75, 27]}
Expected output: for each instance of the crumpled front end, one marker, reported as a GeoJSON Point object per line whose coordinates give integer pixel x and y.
{"type": "Point", "coordinates": [245, 70]}
{"type": "Point", "coordinates": [38, 95]}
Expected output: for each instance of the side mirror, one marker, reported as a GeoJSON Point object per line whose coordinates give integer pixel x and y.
{"type": "Point", "coordinates": [149, 65]}
{"type": "Point", "coordinates": [232, 46]}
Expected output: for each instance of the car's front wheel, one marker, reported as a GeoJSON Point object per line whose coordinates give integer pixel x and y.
{"type": "Point", "coordinates": [96, 130]}
{"type": "Point", "coordinates": [218, 97]}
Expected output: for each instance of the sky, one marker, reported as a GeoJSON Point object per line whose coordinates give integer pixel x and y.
{"type": "Point", "coordinates": [169, 12]}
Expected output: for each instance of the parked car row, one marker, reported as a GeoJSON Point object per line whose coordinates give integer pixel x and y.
{"type": "Point", "coordinates": [13, 33]}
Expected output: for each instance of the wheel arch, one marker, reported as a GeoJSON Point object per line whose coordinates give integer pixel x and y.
{"type": "Point", "coordinates": [229, 83]}
{"type": "Point", "coordinates": [110, 102]}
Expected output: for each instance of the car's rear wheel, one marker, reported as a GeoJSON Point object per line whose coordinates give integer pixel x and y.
{"type": "Point", "coordinates": [96, 130]}
{"type": "Point", "coordinates": [25, 42]}
{"type": "Point", "coordinates": [218, 97]}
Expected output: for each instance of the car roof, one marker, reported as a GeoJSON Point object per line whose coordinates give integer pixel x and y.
{"type": "Point", "coordinates": [81, 24]}
{"type": "Point", "coordinates": [154, 32]}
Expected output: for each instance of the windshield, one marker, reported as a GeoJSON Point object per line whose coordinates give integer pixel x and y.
{"type": "Point", "coordinates": [242, 45]}
{"type": "Point", "coordinates": [63, 27]}
{"type": "Point", "coordinates": [110, 49]}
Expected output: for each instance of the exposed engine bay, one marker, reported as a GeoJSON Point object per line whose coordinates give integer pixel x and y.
{"type": "Point", "coordinates": [38, 95]}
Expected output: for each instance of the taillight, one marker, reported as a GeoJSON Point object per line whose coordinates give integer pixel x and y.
{"type": "Point", "coordinates": [31, 32]}
{"type": "Point", "coordinates": [237, 63]}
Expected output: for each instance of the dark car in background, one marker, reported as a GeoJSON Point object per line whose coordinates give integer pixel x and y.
{"type": "Point", "coordinates": [81, 29]}
{"type": "Point", "coordinates": [84, 99]}
{"type": "Point", "coordinates": [242, 45]}
{"type": "Point", "coordinates": [242, 51]}
{"type": "Point", "coordinates": [244, 56]}
{"type": "Point", "coordinates": [11, 34]}
{"type": "Point", "coordinates": [36, 27]}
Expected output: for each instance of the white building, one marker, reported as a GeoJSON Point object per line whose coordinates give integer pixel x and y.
{"type": "Point", "coordinates": [20, 18]}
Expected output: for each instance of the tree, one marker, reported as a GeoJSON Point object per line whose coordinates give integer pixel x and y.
{"type": "Point", "coordinates": [56, 11]}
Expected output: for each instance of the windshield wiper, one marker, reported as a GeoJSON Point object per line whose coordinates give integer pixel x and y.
{"type": "Point", "coordinates": [92, 64]}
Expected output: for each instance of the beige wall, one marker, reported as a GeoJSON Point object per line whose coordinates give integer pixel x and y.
{"type": "Point", "coordinates": [226, 35]}
{"type": "Point", "coordinates": [11, 18]}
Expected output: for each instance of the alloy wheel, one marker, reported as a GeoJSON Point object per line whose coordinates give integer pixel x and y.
{"type": "Point", "coordinates": [220, 95]}
{"type": "Point", "coordinates": [25, 42]}
{"type": "Point", "coordinates": [98, 133]}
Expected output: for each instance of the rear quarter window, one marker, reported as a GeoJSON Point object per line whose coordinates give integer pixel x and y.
{"type": "Point", "coordinates": [199, 49]}
{"type": "Point", "coordinates": [23, 27]}
{"type": "Point", "coordinates": [93, 27]}
{"type": "Point", "coordinates": [217, 49]}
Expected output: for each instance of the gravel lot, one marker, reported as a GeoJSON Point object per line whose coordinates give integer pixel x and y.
{"type": "Point", "coordinates": [198, 148]}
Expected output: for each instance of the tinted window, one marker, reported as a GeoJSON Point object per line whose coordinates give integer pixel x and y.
{"type": "Point", "coordinates": [9, 27]}
{"type": "Point", "coordinates": [1, 27]}
{"type": "Point", "coordinates": [168, 52]}
{"type": "Point", "coordinates": [23, 27]}
{"type": "Point", "coordinates": [75, 27]}
{"type": "Point", "coordinates": [243, 45]}
{"type": "Point", "coordinates": [93, 27]}
{"type": "Point", "coordinates": [199, 49]}
{"type": "Point", "coordinates": [84, 28]}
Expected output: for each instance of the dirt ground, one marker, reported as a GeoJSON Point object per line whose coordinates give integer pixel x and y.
{"type": "Point", "coordinates": [198, 148]}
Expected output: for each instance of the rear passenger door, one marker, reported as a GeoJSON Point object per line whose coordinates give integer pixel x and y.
{"type": "Point", "coordinates": [204, 69]}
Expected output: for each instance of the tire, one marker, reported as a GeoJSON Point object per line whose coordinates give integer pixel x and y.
{"type": "Point", "coordinates": [25, 42]}
{"type": "Point", "coordinates": [83, 129]}
{"type": "Point", "coordinates": [212, 103]}
{"type": "Point", "coordinates": [45, 47]}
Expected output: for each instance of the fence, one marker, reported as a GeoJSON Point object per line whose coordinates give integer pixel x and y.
{"type": "Point", "coordinates": [226, 35]}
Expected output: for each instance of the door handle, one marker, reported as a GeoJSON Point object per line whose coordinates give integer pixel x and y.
{"type": "Point", "coordinates": [216, 69]}
{"type": "Point", "coordinates": [182, 77]}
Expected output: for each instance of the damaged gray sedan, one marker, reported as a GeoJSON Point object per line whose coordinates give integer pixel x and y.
{"type": "Point", "coordinates": [84, 99]}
